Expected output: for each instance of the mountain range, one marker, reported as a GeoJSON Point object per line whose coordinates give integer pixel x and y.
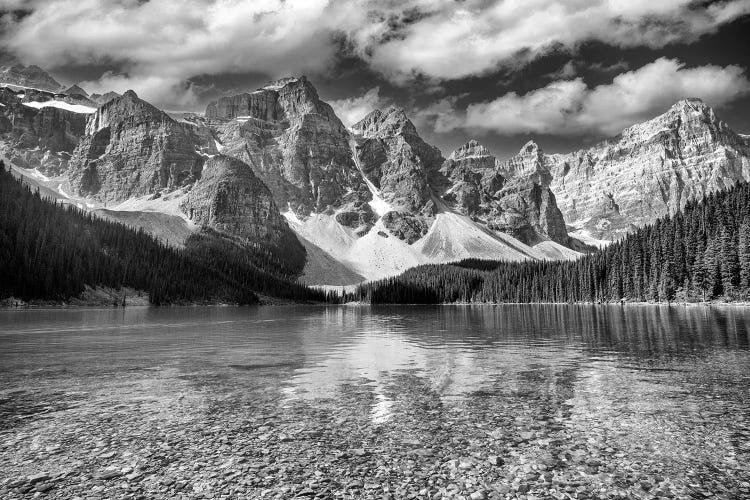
{"type": "Point", "coordinates": [275, 167]}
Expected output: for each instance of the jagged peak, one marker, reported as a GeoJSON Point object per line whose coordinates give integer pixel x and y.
{"type": "Point", "coordinates": [531, 147]}
{"type": "Point", "coordinates": [393, 118]}
{"type": "Point", "coordinates": [472, 148]}
{"type": "Point", "coordinates": [689, 103]}
{"type": "Point", "coordinates": [129, 104]}
{"type": "Point", "coordinates": [75, 89]}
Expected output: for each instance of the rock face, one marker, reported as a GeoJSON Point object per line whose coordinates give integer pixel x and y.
{"type": "Point", "coordinates": [294, 143]}
{"type": "Point", "coordinates": [231, 199]}
{"type": "Point", "coordinates": [14, 73]}
{"type": "Point", "coordinates": [397, 161]}
{"type": "Point", "coordinates": [41, 138]}
{"type": "Point", "coordinates": [132, 149]}
{"type": "Point", "coordinates": [76, 90]}
{"type": "Point", "coordinates": [512, 197]}
{"type": "Point", "coordinates": [651, 169]}
{"type": "Point", "coordinates": [401, 167]}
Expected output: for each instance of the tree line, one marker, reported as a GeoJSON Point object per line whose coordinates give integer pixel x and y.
{"type": "Point", "coordinates": [51, 251]}
{"type": "Point", "coordinates": [700, 253]}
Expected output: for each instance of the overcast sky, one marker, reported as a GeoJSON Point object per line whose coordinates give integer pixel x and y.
{"type": "Point", "coordinates": [564, 72]}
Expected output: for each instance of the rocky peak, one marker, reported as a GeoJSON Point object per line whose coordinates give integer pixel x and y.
{"type": "Point", "coordinates": [530, 148]}
{"type": "Point", "coordinates": [127, 107]}
{"type": "Point", "coordinates": [471, 149]}
{"type": "Point", "coordinates": [292, 140]}
{"type": "Point", "coordinates": [398, 161]}
{"type": "Point", "coordinates": [231, 199]}
{"type": "Point", "coordinates": [13, 72]}
{"type": "Point", "coordinates": [468, 162]}
{"type": "Point", "coordinates": [76, 90]}
{"type": "Point", "coordinates": [529, 162]}
{"type": "Point", "coordinates": [41, 138]}
{"type": "Point", "coordinates": [650, 170]}
{"type": "Point", "coordinates": [383, 123]}
{"type": "Point", "coordinates": [133, 149]}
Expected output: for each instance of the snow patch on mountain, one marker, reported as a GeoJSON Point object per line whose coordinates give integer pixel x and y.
{"type": "Point", "coordinates": [75, 108]}
{"type": "Point", "coordinates": [378, 204]}
{"type": "Point", "coordinates": [379, 254]}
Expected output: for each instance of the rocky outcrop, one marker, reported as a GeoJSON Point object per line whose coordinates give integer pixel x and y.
{"type": "Point", "coordinates": [397, 161]}
{"type": "Point", "coordinates": [650, 170]}
{"type": "Point", "coordinates": [41, 138]}
{"type": "Point", "coordinates": [231, 199]}
{"type": "Point", "coordinates": [14, 73]}
{"type": "Point", "coordinates": [294, 143]}
{"type": "Point", "coordinates": [132, 149]}
{"type": "Point", "coordinates": [76, 90]}
{"type": "Point", "coordinates": [512, 197]}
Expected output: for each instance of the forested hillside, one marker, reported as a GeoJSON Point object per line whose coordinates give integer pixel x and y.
{"type": "Point", "coordinates": [700, 253]}
{"type": "Point", "coordinates": [50, 251]}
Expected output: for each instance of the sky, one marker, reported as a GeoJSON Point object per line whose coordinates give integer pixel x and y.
{"type": "Point", "coordinates": [566, 73]}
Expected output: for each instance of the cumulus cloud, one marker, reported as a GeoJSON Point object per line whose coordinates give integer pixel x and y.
{"type": "Point", "coordinates": [431, 39]}
{"type": "Point", "coordinates": [570, 107]}
{"type": "Point", "coordinates": [451, 40]}
{"type": "Point", "coordinates": [173, 40]}
{"type": "Point", "coordinates": [440, 116]}
{"type": "Point", "coordinates": [353, 109]}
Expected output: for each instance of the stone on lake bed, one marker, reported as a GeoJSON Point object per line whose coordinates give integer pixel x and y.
{"type": "Point", "coordinates": [36, 478]}
{"type": "Point", "coordinates": [44, 487]}
{"type": "Point", "coordinates": [110, 474]}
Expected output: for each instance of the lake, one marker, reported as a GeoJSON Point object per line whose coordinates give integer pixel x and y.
{"type": "Point", "coordinates": [534, 401]}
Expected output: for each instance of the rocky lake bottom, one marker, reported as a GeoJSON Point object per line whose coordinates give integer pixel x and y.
{"type": "Point", "coordinates": [475, 402]}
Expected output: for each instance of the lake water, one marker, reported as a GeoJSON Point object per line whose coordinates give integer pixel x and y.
{"type": "Point", "coordinates": [376, 402]}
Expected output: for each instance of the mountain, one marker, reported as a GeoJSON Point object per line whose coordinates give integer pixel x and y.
{"type": "Point", "coordinates": [14, 73]}
{"type": "Point", "coordinates": [39, 134]}
{"type": "Point", "coordinates": [513, 197]}
{"type": "Point", "coordinates": [277, 171]}
{"type": "Point", "coordinates": [400, 169]}
{"type": "Point", "coordinates": [76, 90]}
{"type": "Point", "coordinates": [50, 252]}
{"type": "Point", "coordinates": [700, 253]}
{"type": "Point", "coordinates": [132, 149]}
{"type": "Point", "coordinates": [364, 202]}
{"type": "Point", "coordinates": [292, 140]}
{"type": "Point", "coordinates": [650, 170]}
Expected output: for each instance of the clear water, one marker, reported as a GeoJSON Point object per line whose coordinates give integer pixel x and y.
{"type": "Point", "coordinates": [639, 394]}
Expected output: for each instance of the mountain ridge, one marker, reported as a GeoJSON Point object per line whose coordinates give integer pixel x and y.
{"type": "Point", "coordinates": [374, 198]}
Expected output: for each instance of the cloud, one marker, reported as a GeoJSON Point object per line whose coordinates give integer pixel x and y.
{"type": "Point", "coordinates": [433, 40]}
{"type": "Point", "coordinates": [441, 116]}
{"type": "Point", "coordinates": [174, 40]}
{"type": "Point", "coordinates": [452, 40]}
{"type": "Point", "coordinates": [566, 72]}
{"type": "Point", "coordinates": [171, 93]}
{"type": "Point", "coordinates": [570, 107]}
{"type": "Point", "coordinates": [353, 109]}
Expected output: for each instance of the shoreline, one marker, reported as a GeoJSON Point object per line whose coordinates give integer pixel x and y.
{"type": "Point", "coordinates": [275, 302]}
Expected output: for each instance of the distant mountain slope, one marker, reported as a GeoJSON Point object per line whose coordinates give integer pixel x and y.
{"type": "Point", "coordinates": [650, 170]}
{"type": "Point", "coordinates": [275, 168]}
{"type": "Point", "coordinates": [701, 253]}
{"type": "Point", "coordinates": [14, 73]}
{"type": "Point", "coordinates": [50, 252]}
